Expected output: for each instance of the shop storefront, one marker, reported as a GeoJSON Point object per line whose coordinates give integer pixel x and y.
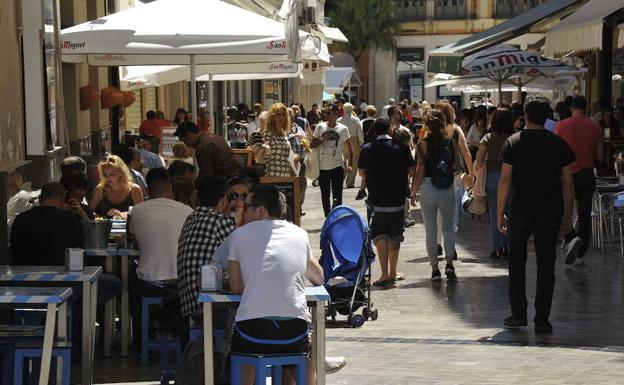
{"type": "Point", "coordinates": [410, 73]}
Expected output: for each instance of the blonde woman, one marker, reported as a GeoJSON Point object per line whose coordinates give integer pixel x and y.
{"type": "Point", "coordinates": [115, 193]}
{"type": "Point", "coordinates": [276, 137]}
{"type": "Point", "coordinates": [181, 152]}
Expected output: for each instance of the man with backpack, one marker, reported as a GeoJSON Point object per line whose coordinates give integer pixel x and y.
{"type": "Point", "coordinates": [386, 164]}
{"type": "Point", "coordinates": [537, 163]}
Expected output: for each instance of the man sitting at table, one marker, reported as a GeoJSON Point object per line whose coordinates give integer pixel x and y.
{"type": "Point", "coordinates": [269, 261]}
{"type": "Point", "coordinates": [40, 236]}
{"type": "Point", "coordinates": [156, 224]}
{"type": "Point", "coordinates": [183, 176]}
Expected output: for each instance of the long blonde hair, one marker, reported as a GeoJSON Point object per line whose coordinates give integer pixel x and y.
{"type": "Point", "coordinates": [115, 162]}
{"type": "Point", "coordinates": [272, 123]}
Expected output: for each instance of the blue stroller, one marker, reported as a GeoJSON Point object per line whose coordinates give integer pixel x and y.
{"type": "Point", "coordinates": [346, 252]}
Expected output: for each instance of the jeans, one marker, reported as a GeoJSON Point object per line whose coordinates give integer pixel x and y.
{"type": "Point", "coordinates": [543, 223]}
{"type": "Point", "coordinates": [331, 179]}
{"type": "Point", "coordinates": [459, 187]}
{"type": "Point", "coordinates": [584, 187]}
{"type": "Point", "coordinates": [433, 200]}
{"type": "Point", "coordinates": [491, 190]}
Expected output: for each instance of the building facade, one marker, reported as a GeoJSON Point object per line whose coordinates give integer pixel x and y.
{"type": "Point", "coordinates": [429, 24]}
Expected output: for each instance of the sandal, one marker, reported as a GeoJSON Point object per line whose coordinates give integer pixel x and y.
{"type": "Point", "coordinates": [399, 277]}
{"type": "Point", "coordinates": [383, 282]}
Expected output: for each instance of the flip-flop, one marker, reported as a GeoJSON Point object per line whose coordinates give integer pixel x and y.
{"type": "Point", "coordinates": [399, 277]}
{"type": "Point", "coordinates": [383, 282]}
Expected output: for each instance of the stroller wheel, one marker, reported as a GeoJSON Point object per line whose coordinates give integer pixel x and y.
{"type": "Point", "coordinates": [374, 314]}
{"type": "Point", "coordinates": [366, 313]}
{"type": "Point", "coordinates": [357, 320]}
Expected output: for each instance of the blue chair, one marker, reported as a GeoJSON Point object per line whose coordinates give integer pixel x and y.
{"type": "Point", "coordinates": [163, 343]}
{"type": "Point", "coordinates": [197, 332]}
{"type": "Point", "coordinates": [30, 351]}
{"type": "Point", "coordinates": [270, 366]}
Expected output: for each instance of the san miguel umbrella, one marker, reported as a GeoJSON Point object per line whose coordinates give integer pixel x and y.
{"type": "Point", "coordinates": [504, 62]}
{"type": "Point", "coordinates": [211, 32]}
{"type": "Point", "coordinates": [558, 82]}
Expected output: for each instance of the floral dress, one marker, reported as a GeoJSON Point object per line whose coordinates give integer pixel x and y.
{"type": "Point", "coordinates": [277, 165]}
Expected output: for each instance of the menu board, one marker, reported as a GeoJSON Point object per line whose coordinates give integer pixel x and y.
{"type": "Point", "coordinates": [246, 156]}
{"type": "Point", "coordinates": [289, 186]}
{"type": "Point", "coordinates": [168, 140]}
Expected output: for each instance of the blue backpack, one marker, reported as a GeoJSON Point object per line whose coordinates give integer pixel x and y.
{"type": "Point", "coordinates": [442, 166]}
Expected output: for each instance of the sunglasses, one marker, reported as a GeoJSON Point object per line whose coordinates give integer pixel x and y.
{"type": "Point", "coordinates": [234, 196]}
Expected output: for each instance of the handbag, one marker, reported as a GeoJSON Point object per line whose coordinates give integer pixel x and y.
{"type": "Point", "coordinates": [311, 162]}
{"type": "Point", "coordinates": [477, 205]}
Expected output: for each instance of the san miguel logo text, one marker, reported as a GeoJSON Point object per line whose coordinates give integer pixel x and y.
{"type": "Point", "coordinates": [275, 44]}
{"type": "Point", "coordinates": [69, 45]}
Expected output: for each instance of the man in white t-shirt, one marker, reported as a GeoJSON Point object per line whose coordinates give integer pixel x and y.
{"type": "Point", "coordinates": [269, 261]}
{"type": "Point", "coordinates": [332, 139]}
{"type": "Point", "coordinates": [156, 224]}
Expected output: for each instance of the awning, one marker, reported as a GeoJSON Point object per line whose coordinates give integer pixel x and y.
{"type": "Point", "coordinates": [337, 78]}
{"type": "Point", "coordinates": [582, 30]}
{"type": "Point", "coordinates": [331, 34]}
{"type": "Point", "coordinates": [447, 59]}
{"type": "Point", "coordinates": [267, 8]}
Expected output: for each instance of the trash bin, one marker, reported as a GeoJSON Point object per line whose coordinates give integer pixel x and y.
{"type": "Point", "coordinates": [96, 233]}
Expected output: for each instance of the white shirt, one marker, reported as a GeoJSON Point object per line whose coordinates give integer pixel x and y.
{"type": "Point", "coordinates": [273, 256]}
{"type": "Point", "coordinates": [474, 137]}
{"type": "Point", "coordinates": [354, 125]}
{"type": "Point", "coordinates": [384, 111]}
{"type": "Point", "coordinates": [330, 152]}
{"type": "Point", "coordinates": [157, 224]}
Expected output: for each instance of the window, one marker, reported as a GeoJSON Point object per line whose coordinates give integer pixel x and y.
{"type": "Point", "coordinates": [505, 9]}
{"type": "Point", "coordinates": [133, 113]}
{"type": "Point", "coordinates": [410, 10]}
{"type": "Point", "coordinates": [450, 9]}
{"type": "Point", "coordinates": [150, 95]}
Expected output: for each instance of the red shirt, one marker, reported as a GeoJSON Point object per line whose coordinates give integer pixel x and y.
{"type": "Point", "coordinates": [150, 127]}
{"type": "Point", "coordinates": [582, 135]}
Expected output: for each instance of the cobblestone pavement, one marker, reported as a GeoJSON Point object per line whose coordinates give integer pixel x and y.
{"type": "Point", "coordinates": [451, 333]}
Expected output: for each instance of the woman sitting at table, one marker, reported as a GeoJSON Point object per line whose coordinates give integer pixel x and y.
{"type": "Point", "coordinates": [115, 193]}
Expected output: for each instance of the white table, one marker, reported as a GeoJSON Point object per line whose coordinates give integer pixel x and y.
{"type": "Point", "coordinates": [53, 298]}
{"type": "Point", "coordinates": [316, 297]}
{"type": "Point", "coordinates": [123, 255]}
{"type": "Point", "coordinates": [60, 276]}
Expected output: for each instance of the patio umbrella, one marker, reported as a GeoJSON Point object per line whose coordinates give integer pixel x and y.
{"type": "Point", "coordinates": [560, 82]}
{"type": "Point", "coordinates": [504, 62]}
{"type": "Point", "coordinates": [211, 32]}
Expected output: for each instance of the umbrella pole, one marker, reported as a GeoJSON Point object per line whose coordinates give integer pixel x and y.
{"type": "Point", "coordinates": [500, 93]}
{"type": "Point", "coordinates": [193, 88]}
{"type": "Point", "coordinates": [211, 106]}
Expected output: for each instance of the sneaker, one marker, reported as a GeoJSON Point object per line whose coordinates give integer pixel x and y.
{"type": "Point", "coordinates": [495, 254]}
{"type": "Point", "coordinates": [515, 321]}
{"type": "Point", "coordinates": [579, 262]}
{"type": "Point", "coordinates": [334, 364]}
{"type": "Point", "coordinates": [360, 195]}
{"type": "Point", "coordinates": [409, 222]}
{"type": "Point", "coordinates": [571, 250]}
{"type": "Point", "coordinates": [439, 250]}
{"type": "Point", "coordinates": [449, 270]}
{"type": "Point", "coordinates": [543, 328]}
{"type": "Point", "coordinates": [436, 275]}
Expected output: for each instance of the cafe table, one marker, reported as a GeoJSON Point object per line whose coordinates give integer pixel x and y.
{"type": "Point", "coordinates": [123, 255]}
{"type": "Point", "coordinates": [59, 276]}
{"type": "Point", "coordinates": [316, 297]}
{"type": "Point", "coordinates": [53, 298]}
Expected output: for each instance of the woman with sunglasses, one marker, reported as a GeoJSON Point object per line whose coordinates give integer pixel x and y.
{"type": "Point", "coordinates": [115, 193]}
{"type": "Point", "coordinates": [238, 190]}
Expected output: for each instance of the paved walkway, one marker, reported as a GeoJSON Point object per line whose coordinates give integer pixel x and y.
{"type": "Point", "coordinates": [450, 333]}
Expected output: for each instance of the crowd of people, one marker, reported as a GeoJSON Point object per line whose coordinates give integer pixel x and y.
{"type": "Point", "coordinates": [205, 207]}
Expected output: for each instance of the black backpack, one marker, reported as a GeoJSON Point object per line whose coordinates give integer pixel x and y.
{"type": "Point", "coordinates": [442, 160]}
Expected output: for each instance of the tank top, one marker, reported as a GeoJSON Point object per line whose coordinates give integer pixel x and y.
{"type": "Point", "coordinates": [105, 205]}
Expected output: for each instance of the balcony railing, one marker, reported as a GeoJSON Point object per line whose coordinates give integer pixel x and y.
{"type": "Point", "coordinates": [505, 9]}
{"type": "Point", "coordinates": [410, 10]}
{"type": "Point", "coordinates": [450, 9]}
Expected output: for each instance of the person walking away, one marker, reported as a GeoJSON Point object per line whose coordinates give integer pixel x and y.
{"type": "Point", "coordinates": [354, 125]}
{"type": "Point", "coordinates": [386, 163]}
{"type": "Point", "coordinates": [584, 136]}
{"type": "Point", "coordinates": [437, 161]}
{"type": "Point", "coordinates": [331, 137]}
{"type": "Point", "coordinates": [488, 156]}
{"type": "Point", "coordinates": [537, 163]}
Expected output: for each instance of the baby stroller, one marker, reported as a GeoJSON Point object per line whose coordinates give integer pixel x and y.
{"type": "Point", "coordinates": [346, 257]}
